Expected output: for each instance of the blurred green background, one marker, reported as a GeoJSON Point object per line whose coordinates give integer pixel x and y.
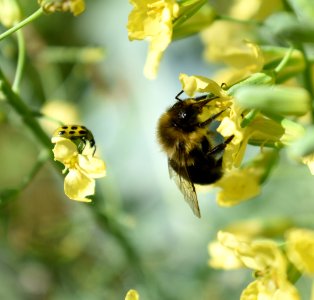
{"type": "Point", "coordinates": [139, 233]}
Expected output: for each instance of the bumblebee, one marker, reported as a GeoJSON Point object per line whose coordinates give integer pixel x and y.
{"type": "Point", "coordinates": [78, 134]}
{"type": "Point", "coordinates": [193, 157]}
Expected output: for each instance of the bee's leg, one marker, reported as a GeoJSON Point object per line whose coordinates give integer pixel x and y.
{"type": "Point", "coordinates": [203, 97]}
{"type": "Point", "coordinates": [211, 119]}
{"type": "Point", "coordinates": [220, 147]}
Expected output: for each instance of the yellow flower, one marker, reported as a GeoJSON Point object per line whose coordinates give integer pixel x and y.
{"type": "Point", "coordinates": [76, 7]}
{"type": "Point", "coordinates": [9, 13]}
{"type": "Point", "coordinates": [309, 161]}
{"type": "Point", "coordinates": [237, 186]}
{"type": "Point", "coordinates": [257, 9]}
{"type": "Point", "coordinates": [269, 264]}
{"type": "Point", "coordinates": [152, 20]}
{"type": "Point", "coordinates": [223, 258]}
{"type": "Point", "coordinates": [231, 125]}
{"type": "Point", "coordinates": [132, 295]}
{"type": "Point", "coordinates": [82, 169]}
{"type": "Point", "coordinates": [228, 43]}
{"type": "Point", "coordinates": [267, 290]}
{"type": "Point", "coordinates": [300, 249]}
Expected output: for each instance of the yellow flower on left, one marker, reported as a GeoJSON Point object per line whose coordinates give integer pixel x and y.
{"type": "Point", "coordinates": [82, 169]}
{"type": "Point", "coordinates": [152, 20]}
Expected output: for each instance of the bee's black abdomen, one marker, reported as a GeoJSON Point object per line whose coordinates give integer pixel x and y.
{"type": "Point", "coordinates": [205, 173]}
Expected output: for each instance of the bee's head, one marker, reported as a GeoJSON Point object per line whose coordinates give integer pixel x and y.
{"type": "Point", "coordinates": [185, 114]}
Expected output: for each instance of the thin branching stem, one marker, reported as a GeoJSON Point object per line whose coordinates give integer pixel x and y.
{"type": "Point", "coordinates": [20, 61]}
{"type": "Point", "coordinates": [105, 221]}
{"type": "Point", "coordinates": [21, 24]}
{"type": "Point", "coordinates": [239, 21]}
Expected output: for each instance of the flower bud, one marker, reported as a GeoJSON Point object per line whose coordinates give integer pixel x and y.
{"type": "Point", "coordinates": [286, 27]}
{"type": "Point", "coordinates": [9, 13]}
{"type": "Point", "coordinates": [254, 79]}
{"type": "Point", "coordinates": [305, 145]}
{"type": "Point", "coordinates": [275, 99]}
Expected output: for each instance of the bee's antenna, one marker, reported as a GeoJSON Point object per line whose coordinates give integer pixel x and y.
{"type": "Point", "coordinates": [177, 97]}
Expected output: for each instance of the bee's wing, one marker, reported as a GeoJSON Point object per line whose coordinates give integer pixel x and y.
{"type": "Point", "coordinates": [187, 189]}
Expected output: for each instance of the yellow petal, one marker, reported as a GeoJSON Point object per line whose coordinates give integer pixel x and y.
{"type": "Point", "coordinates": [152, 62]}
{"type": "Point", "coordinates": [77, 186]}
{"type": "Point", "coordinates": [132, 295]}
{"type": "Point", "coordinates": [152, 20]}
{"type": "Point", "coordinates": [223, 258]}
{"type": "Point", "coordinates": [237, 186]}
{"type": "Point", "coordinates": [267, 290]}
{"type": "Point", "coordinates": [64, 149]}
{"type": "Point", "coordinates": [300, 249]}
{"type": "Point", "coordinates": [92, 166]}
{"type": "Point", "coordinates": [193, 84]}
{"type": "Point", "coordinates": [309, 161]}
{"type": "Point", "coordinates": [77, 7]}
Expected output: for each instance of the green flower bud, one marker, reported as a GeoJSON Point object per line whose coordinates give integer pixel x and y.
{"type": "Point", "coordinates": [254, 79]}
{"type": "Point", "coordinates": [9, 13]}
{"type": "Point", "coordinates": [304, 9]}
{"type": "Point", "coordinates": [286, 27]}
{"type": "Point", "coordinates": [275, 99]}
{"type": "Point", "coordinates": [305, 145]}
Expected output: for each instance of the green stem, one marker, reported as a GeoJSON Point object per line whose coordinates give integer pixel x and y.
{"type": "Point", "coordinates": [10, 194]}
{"type": "Point", "coordinates": [249, 118]}
{"type": "Point", "coordinates": [307, 76]}
{"type": "Point", "coordinates": [20, 61]}
{"type": "Point", "coordinates": [245, 22]}
{"type": "Point", "coordinates": [29, 19]}
{"type": "Point", "coordinates": [189, 11]}
{"type": "Point", "coordinates": [106, 222]}
{"type": "Point", "coordinates": [293, 273]}
{"type": "Point", "coordinates": [284, 61]}
{"type": "Point", "coordinates": [42, 158]}
{"type": "Point", "coordinates": [24, 111]}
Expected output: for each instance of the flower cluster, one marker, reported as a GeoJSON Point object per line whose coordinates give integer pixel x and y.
{"type": "Point", "coordinates": [242, 181]}
{"type": "Point", "coordinates": [76, 7]}
{"type": "Point", "coordinates": [152, 20]}
{"type": "Point", "coordinates": [275, 267]}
